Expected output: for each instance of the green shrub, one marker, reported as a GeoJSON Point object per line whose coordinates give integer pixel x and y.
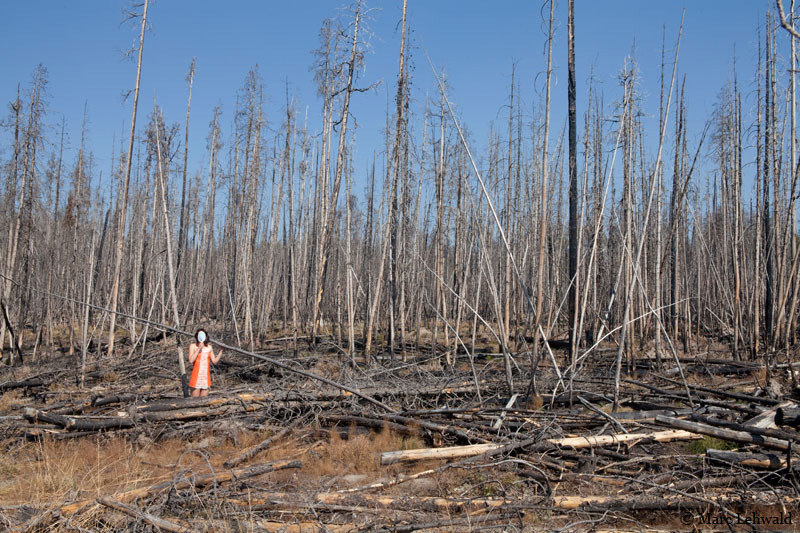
{"type": "Point", "coordinates": [699, 447]}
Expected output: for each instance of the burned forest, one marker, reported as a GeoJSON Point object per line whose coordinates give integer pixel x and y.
{"type": "Point", "coordinates": [583, 316]}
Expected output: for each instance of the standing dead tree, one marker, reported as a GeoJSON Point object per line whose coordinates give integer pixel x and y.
{"type": "Point", "coordinates": [122, 202]}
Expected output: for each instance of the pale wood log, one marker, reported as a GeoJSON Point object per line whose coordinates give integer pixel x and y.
{"type": "Point", "coordinates": [301, 527]}
{"type": "Point", "coordinates": [568, 442]}
{"type": "Point", "coordinates": [510, 404]}
{"type": "Point", "coordinates": [567, 502]}
{"type": "Point", "coordinates": [767, 418]}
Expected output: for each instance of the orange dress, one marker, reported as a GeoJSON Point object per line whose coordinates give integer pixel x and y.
{"type": "Point", "coordinates": [201, 373]}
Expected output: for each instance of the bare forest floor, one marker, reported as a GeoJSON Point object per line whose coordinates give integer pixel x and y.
{"type": "Point", "coordinates": [270, 450]}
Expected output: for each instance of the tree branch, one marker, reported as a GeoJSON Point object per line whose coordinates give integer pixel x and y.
{"type": "Point", "coordinates": [785, 23]}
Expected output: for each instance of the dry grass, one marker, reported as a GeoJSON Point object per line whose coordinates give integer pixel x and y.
{"type": "Point", "coordinates": [357, 454]}
{"type": "Point", "coordinates": [49, 471]}
{"type": "Point", "coordinates": [10, 400]}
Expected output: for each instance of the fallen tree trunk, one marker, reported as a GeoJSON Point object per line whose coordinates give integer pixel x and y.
{"type": "Point", "coordinates": [568, 442]}
{"type": "Point", "coordinates": [144, 516]}
{"type": "Point", "coordinates": [432, 426]}
{"type": "Point", "coordinates": [721, 433]}
{"type": "Point", "coordinates": [78, 423]}
{"type": "Point", "coordinates": [197, 482]}
{"type": "Point", "coordinates": [253, 450]}
{"type": "Point", "coordinates": [369, 422]}
{"type": "Point", "coordinates": [438, 504]}
{"type": "Point", "coordinates": [29, 382]}
{"type": "Point", "coordinates": [754, 430]}
{"type": "Point", "coordinates": [423, 503]}
{"type": "Point", "coordinates": [788, 417]}
{"type": "Point", "coordinates": [768, 461]}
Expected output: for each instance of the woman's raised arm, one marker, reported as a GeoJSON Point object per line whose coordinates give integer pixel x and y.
{"type": "Point", "coordinates": [193, 349]}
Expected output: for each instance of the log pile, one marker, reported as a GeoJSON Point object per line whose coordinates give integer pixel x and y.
{"type": "Point", "coordinates": [470, 460]}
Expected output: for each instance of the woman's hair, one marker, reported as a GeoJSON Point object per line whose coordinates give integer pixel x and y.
{"type": "Point", "coordinates": [197, 334]}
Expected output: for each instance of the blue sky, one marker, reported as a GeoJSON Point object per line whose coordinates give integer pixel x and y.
{"type": "Point", "coordinates": [82, 43]}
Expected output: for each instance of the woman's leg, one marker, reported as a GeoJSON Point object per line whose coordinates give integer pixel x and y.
{"type": "Point", "coordinates": [203, 392]}
{"type": "Point", "coordinates": [195, 393]}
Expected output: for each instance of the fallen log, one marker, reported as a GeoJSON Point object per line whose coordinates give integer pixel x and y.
{"type": "Point", "coordinates": [368, 422]}
{"type": "Point", "coordinates": [469, 522]}
{"type": "Point", "coordinates": [767, 418]}
{"type": "Point", "coordinates": [509, 405]}
{"type": "Point", "coordinates": [199, 481]}
{"type": "Point", "coordinates": [699, 401]}
{"type": "Point", "coordinates": [641, 416]}
{"type": "Point", "coordinates": [726, 434]}
{"type": "Point", "coordinates": [567, 442]}
{"type": "Point", "coordinates": [733, 395]}
{"type": "Point", "coordinates": [786, 416]}
{"type": "Point", "coordinates": [144, 516]}
{"type": "Point", "coordinates": [240, 398]}
{"type": "Point", "coordinates": [424, 503]}
{"type": "Point", "coordinates": [432, 426]}
{"type": "Point", "coordinates": [767, 461]}
{"type": "Point", "coordinates": [253, 450]}
{"type": "Point", "coordinates": [439, 504]}
{"type": "Point", "coordinates": [24, 383]}
{"type": "Point", "coordinates": [78, 423]}
{"type": "Point", "coordinates": [301, 527]}
{"type": "Point", "coordinates": [755, 430]}
{"type": "Point", "coordinates": [35, 415]}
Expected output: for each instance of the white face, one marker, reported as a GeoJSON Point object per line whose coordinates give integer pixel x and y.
{"type": "Point", "coordinates": [201, 336]}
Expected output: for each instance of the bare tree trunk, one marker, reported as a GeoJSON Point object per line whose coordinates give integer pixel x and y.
{"type": "Point", "coordinates": [765, 213]}
{"type": "Point", "coordinates": [85, 330]}
{"type": "Point", "coordinates": [123, 202]}
{"type": "Point", "coordinates": [756, 337]}
{"type": "Point", "coordinates": [182, 224]}
{"type": "Point", "coordinates": [643, 229]}
{"type": "Point", "coordinates": [171, 269]}
{"type": "Point", "coordinates": [543, 209]}
{"type": "Point", "coordinates": [24, 202]}
{"type": "Point", "coordinates": [395, 191]}
{"type": "Point", "coordinates": [572, 296]}
{"type": "Point", "coordinates": [328, 227]}
{"type": "Point", "coordinates": [441, 296]}
{"type": "Point", "coordinates": [509, 193]}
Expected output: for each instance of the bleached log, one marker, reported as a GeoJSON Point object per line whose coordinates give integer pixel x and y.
{"type": "Point", "coordinates": [499, 421]}
{"type": "Point", "coordinates": [568, 442]}
{"type": "Point", "coordinates": [438, 504]}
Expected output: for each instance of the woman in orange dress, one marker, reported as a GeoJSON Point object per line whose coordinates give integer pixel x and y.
{"type": "Point", "coordinates": [202, 356]}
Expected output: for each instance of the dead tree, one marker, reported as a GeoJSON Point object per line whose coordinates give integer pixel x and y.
{"type": "Point", "coordinates": [122, 203]}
